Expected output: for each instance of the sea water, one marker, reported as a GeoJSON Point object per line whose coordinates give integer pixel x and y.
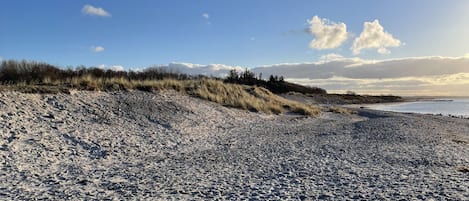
{"type": "Point", "coordinates": [454, 107]}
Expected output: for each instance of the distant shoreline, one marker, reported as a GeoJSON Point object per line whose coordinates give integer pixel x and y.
{"type": "Point", "coordinates": [432, 98]}
{"type": "Point", "coordinates": [443, 107]}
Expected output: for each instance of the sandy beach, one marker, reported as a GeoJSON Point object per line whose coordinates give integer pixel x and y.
{"type": "Point", "coordinates": [164, 145]}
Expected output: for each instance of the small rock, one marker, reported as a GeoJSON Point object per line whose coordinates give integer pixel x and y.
{"type": "Point", "coordinates": [83, 182]}
{"type": "Point", "coordinates": [404, 176]}
{"type": "Point", "coordinates": [324, 196]}
{"type": "Point", "coordinates": [50, 116]}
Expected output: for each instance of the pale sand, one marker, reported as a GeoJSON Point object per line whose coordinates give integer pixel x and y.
{"type": "Point", "coordinates": [145, 146]}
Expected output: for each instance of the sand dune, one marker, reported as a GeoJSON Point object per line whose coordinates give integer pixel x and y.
{"type": "Point", "coordinates": [140, 145]}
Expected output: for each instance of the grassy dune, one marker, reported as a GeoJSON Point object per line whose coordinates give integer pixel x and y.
{"type": "Point", "coordinates": [250, 98]}
{"type": "Point", "coordinates": [231, 95]}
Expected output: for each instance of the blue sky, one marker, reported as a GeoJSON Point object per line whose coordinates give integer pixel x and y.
{"type": "Point", "coordinates": [396, 47]}
{"type": "Point", "coordinates": [247, 33]}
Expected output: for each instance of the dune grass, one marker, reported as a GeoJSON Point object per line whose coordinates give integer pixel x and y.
{"type": "Point", "coordinates": [341, 110]}
{"type": "Point", "coordinates": [247, 97]}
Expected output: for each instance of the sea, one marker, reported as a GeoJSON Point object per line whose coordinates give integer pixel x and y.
{"type": "Point", "coordinates": [448, 107]}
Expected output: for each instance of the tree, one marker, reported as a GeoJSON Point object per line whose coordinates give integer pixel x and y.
{"type": "Point", "coordinates": [233, 76]}
{"type": "Point", "coordinates": [271, 78]}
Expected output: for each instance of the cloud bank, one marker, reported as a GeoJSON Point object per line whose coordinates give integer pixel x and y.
{"type": "Point", "coordinates": [327, 34]}
{"type": "Point", "coordinates": [94, 11]}
{"type": "Point", "coordinates": [371, 69]}
{"type": "Point", "coordinates": [405, 76]}
{"type": "Point", "coordinates": [374, 36]}
{"type": "Point", "coordinates": [443, 85]}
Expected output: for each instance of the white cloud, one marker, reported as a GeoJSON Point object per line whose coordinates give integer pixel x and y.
{"type": "Point", "coordinates": [374, 36]}
{"type": "Point", "coordinates": [113, 68]}
{"type": "Point", "coordinates": [327, 34]}
{"type": "Point", "coordinates": [97, 48]}
{"type": "Point", "coordinates": [94, 11]}
{"type": "Point", "coordinates": [206, 16]}
{"type": "Point", "coordinates": [117, 68]}
{"type": "Point", "coordinates": [1, 58]}
{"type": "Point", "coordinates": [383, 50]}
{"type": "Point", "coordinates": [185, 65]}
{"type": "Point", "coordinates": [331, 57]}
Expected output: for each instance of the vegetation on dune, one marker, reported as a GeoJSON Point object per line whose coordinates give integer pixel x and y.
{"type": "Point", "coordinates": [341, 110]}
{"type": "Point", "coordinates": [36, 77]}
{"type": "Point", "coordinates": [248, 97]}
{"type": "Point", "coordinates": [231, 95]}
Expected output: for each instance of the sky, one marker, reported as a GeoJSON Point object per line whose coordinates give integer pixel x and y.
{"type": "Point", "coordinates": [353, 45]}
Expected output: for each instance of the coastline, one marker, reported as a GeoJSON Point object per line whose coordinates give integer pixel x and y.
{"type": "Point", "coordinates": [164, 145]}
{"type": "Point", "coordinates": [439, 106]}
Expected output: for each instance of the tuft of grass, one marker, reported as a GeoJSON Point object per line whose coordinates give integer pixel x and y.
{"type": "Point", "coordinates": [341, 110]}
{"type": "Point", "coordinates": [464, 169]}
{"type": "Point", "coordinates": [460, 141]}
